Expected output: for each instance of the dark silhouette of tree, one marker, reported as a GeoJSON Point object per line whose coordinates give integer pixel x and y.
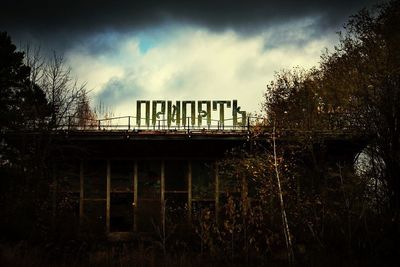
{"type": "Point", "coordinates": [23, 107]}
{"type": "Point", "coordinates": [356, 89]}
{"type": "Point", "coordinates": [356, 86]}
{"type": "Point", "coordinates": [37, 98]}
{"type": "Point", "coordinates": [63, 92]}
{"type": "Point", "coordinates": [22, 103]}
{"type": "Point", "coordinates": [292, 100]}
{"type": "Point", "coordinates": [368, 61]}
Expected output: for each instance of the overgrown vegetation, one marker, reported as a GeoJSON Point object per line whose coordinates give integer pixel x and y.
{"type": "Point", "coordinates": [282, 201]}
{"type": "Point", "coordinates": [37, 95]}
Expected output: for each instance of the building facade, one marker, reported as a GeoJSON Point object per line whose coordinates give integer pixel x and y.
{"type": "Point", "coordinates": [128, 182]}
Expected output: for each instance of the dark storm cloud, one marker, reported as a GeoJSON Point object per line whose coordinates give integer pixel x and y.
{"type": "Point", "coordinates": [63, 22]}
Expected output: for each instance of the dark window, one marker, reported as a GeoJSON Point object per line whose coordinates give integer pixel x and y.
{"type": "Point", "coordinates": [94, 218]}
{"type": "Point", "coordinates": [121, 197]}
{"type": "Point", "coordinates": [95, 174]}
{"type": "Point", "coordinates": [148, 208]}
{"type": "Point", "coordinates": [149, 173]}
{"type": "Point", "coordinates": [176, 175]}
{"type": "Point", "coordinates": [203, 186]}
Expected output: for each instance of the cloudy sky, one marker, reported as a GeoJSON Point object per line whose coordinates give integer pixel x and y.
{"type": "Point", "coordinates": [179, 50]}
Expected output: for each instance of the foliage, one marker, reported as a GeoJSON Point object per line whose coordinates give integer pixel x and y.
{"type": "Point", "coordinates": [36, 97]}
{"type": "Point", "coordinates": [67, 97]}
{"type": "Point", "coordinates": [22, 103]}
{"type": "Point", "coordinates": [355, 90]}
{"type": "Point", "coordinates": [332, 206]}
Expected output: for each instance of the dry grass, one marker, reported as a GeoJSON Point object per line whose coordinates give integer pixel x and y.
{"type": "Point", "coordinates": [22, 255]}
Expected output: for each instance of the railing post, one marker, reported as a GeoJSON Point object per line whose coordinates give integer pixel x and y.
{"type": "Point", "coordinates": [98, 125]}
{"type": "Point", "coordinates": [129, 123]}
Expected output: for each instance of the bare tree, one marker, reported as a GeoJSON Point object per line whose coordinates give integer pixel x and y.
{"type": "Point", "coordinates": [64, 93]}
{"type": "Point", "coordinates": [285, 223]}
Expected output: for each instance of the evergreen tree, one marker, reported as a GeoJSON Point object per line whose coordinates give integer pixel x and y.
{"type": "Point", "coordinates": [22, 103]}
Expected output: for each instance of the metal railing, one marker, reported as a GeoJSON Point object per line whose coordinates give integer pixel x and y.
{"type": "Point", "coordinates": [338, 123]}
{"type": "Point", "coordinates": [129, 123]}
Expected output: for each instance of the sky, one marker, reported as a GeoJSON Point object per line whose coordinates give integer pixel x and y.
{"type": "Point", "coordinates": [179, 50]}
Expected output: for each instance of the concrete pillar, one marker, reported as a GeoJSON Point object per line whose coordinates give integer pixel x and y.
{"type": "Point", "coordinates": [81, 193]}
{"type": "Point", "coordinates": [189, 190]}
{"type": "Point", "coordinates": [54, 196]}
{"type": "Point", "coordinates": [135, 194]}
{"type": "Point", "coordinates": [108, 196]}
{"type": "Point", "coordinates": [216, 191]}
{"type": "Point", "coordinates": [162, 188]}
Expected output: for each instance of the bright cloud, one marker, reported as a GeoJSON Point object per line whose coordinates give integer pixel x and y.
{"type": "Point", "coordinates": [185, 63]}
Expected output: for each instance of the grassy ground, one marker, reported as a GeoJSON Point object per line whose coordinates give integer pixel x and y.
{"type": "Point", "coordinates": [127, 254]}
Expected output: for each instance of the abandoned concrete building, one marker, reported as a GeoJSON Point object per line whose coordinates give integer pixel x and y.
{"type": "Point", "coordinates": [123, 178]}
{"type": "Point", "coordinates": [120, 179]}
